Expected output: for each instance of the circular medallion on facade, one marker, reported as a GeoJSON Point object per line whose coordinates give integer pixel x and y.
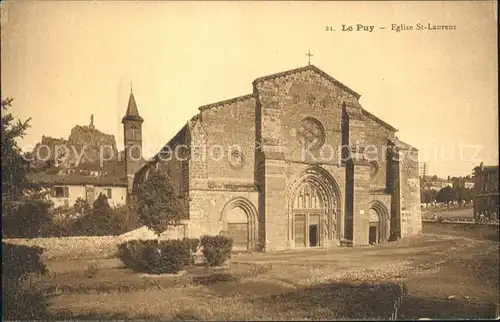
{"type": "Point", "coordinates": [310, 99]}
{"type": "Point", "coordinates": [311, 133]}
{"type": "Point", "coordinates": [236, 159]}
{"type": "Point", "coordinates": [373, 168]}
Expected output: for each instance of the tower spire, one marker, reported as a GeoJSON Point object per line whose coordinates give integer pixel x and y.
{"type": "Point", "coordinates": [132, 113]}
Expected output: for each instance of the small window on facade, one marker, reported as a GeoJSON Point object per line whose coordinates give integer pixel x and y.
{"type": "Point", "coordinates": [108, 193]}
{"type": "Point", "coordinates": [60, 192]}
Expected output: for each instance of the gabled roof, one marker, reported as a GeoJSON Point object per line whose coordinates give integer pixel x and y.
{"type": "Point", "coordinates": [358, 111]}
{"type": "Point", "coordinates": [403, 145]}
{"type": "Point", "coordinates": [307, 68]}
{"type": "Point", "coordinates": [132, 111]}
{"type": "Point", "coordinates": [376, 119]}
{"type": "Point", "coordinates": [229, 101]}
{"type": "Point", "coordinates": [77, 180]}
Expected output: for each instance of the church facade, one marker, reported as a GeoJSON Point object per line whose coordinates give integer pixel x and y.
{"type": "Point", "coordinates": [297, 163]}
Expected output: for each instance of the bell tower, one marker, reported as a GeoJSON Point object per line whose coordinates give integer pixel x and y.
{"type": "Point", "coordinates": [132, 135]}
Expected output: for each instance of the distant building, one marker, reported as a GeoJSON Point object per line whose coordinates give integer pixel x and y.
{"type": "Point", "coordinates": [486, 189]}
{"type": "Point", "coordinates": [469, 184]}
{"type": "Point", "coordinates": [86, 176]}
{"type": "Point", "coordinates": [65, 190]}
{"type": "Point", "coordinates": [459, 183]}
{"type": "Point", "coordinates": [435, 183]}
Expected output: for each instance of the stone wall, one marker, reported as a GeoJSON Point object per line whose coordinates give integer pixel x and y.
{"type": "Point", "coordinates": [206, 209]}
{"type": "Point", "coordinates": [230, 141]}
{"type": "Point", "coordinates": [73, 247]}
{"type": "Point", "coordinates": [288, 100]}
{"type": "Point", "coordinates": [286, 104]}
{"type": "Point", "coordinates": [93, 246]}
{"type": "Point", "coordinates": [411, 219]}
{"type": "Point", "coordinates": [377, 139]}
{"type": "Point", "coordinates": [361, 199]}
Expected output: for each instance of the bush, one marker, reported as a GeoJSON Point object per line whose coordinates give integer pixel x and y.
{"type": "Point", "coordinates": [83, 220]}
{"type": "Point", "coordinates": [216, 249]}
{"type": "Point", "coordinates": [18, 262]}
{"type": "Point", "coordinates": [155, 257]}
{"type": "Point", "coordinates": [26, 219]}
{"type": "Point", "coordinates": [193, 244]}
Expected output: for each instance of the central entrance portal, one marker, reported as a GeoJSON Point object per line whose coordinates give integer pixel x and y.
{"type": "Point", "coordinates": [313, 214]}
{"type": "Point", "coordinates": [313, 235]}
{"type": "Point", "coordinates": [313, 202]}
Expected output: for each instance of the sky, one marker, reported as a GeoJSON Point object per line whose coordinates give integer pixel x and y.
{"type": "Point", "coordinates": [63, 61]}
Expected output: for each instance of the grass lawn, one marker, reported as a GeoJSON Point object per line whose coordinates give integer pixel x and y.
{"type": "Point", "coordinates": [451, 272]}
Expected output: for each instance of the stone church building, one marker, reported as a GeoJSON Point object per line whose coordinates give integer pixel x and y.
{"type": "Point", "coordinates": [296, 163]}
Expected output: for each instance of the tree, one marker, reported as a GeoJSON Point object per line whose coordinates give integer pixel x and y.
{"type": "Point", "coordinates": [159, 204]}
{"type": "Point", "coordinates": [427, 195]}
{"type": "Point", "coordinates": [98, 221]}
{"type": "Point", "coordinates": [446, 195]}
{"type": "Point", "coordinates": [81, 207]}
{"type": "Point", "coordinates": [14, 165]}
{"type": "Point", "coordinates": [24, 208]}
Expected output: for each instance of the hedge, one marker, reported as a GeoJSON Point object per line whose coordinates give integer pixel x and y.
{"type": "Point", "coordinates": [158, 257]}
{"type": "Point", "coordinates": [216, 249]}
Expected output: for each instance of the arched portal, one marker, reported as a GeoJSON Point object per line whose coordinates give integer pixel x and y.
{"type": "Point", "coordinates": [379, 230]}
{"type": "Point", "coordinates": [240, 218]}
{"type": "Point", "coordinates": [313, 205]}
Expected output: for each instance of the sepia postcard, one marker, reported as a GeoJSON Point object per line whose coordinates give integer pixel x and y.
{"type": "Point", "coordinates": [250, 160]}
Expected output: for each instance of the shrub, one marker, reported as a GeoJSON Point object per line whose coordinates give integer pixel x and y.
{"type": "Point", "coordinates": [27, 218]}
{"type": "Point", "coordinates": [19, 262]}
{"type": "Point", "coordinates": [216, 249]}
{"type": "Point", "coordinates": [155, 257]}
{"type": "Point", "coordinates": [101, 220]}
{"type": "Point", "coordinates": [193, 244]}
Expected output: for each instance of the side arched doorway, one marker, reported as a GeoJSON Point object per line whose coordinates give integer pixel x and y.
{"type": "Point", "coordinates": [313, 204]}
{"type": "Point", "coordinates": [240, 219]}
{"type": "Point", "coordinates": [379, 229]}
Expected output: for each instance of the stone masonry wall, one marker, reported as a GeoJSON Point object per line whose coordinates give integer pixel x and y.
{"type": "Point", "coordinates": [206, 217]}
{"type": "Point", "coordinates": [361, 199]}
{"type": "Point", "coordinates": [411, 218]}
{"type": "Point", "coordinates": [377, 137]}
{"type": "Point", "coordinates": [229, 128]}
{"type": "Point", "coordinates": [284, 103]}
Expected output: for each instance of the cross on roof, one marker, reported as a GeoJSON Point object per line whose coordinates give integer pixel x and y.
{"type": "Point", "coordinates": [310, 55]}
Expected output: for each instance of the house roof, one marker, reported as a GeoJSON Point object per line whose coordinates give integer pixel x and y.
{"type": "Point", "coordinates": [77, 180]}
{"type": "Point", "coordinates": [307, 68]}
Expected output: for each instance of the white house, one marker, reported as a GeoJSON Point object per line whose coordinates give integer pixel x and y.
{"type": "Point", "coordinates": [65, 190]}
